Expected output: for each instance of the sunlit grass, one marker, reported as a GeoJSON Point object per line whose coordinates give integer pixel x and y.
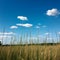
{"type": "Point", "coordinates": [32, 52]}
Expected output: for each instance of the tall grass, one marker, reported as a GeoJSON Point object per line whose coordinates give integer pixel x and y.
{"type": "Point", "coordinates": [30, 51]}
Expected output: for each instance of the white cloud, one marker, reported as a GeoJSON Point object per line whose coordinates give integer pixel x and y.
{"type": "Point", "coordinates": [5, 36]}
{"type": "Point", "coordinates": [22, 17]}
{"type": "Point", "coordinates": [13, 27]}
{"type": "Point", "coordinates": [25, 25]}
{"type": "Point", "coordinates": [6, 33]}
{"type": "Point", "coordinates": [52, 12]}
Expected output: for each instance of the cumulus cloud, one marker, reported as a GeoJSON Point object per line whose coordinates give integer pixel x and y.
{"type": "Point", "coordinates": [13, 27]}
{"type": "Point", "coordinates": [53, 12]}
{"type": "Point", "coordinates": [22, 17]}
{"type": "Point", "coordinates": [25, 25]}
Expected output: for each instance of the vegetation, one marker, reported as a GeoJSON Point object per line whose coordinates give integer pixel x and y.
{"type": "Point", "coordinates": [0, 43]}
{"type": "Point", "coordinates": [30, 51]}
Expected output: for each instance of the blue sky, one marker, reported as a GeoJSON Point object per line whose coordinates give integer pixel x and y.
{"type": "Point", "coordinates": [21, 16]}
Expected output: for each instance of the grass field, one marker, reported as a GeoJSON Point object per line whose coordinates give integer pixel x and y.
{"type": "Point", "coordinates": [30, 52]}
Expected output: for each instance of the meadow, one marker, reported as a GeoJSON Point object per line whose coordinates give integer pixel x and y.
{"type": "Point", "coordinates": [32, 51]}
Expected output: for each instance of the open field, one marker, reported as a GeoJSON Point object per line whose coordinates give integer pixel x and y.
{"type": "Point", "coordinates": [30, 52]}
{"type": "Point", "coordinates": [29, 29]}
{"type": "Point", "coordinates": [31, 49]}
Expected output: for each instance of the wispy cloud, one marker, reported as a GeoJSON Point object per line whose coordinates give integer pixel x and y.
{"type": "Point", "coordinates": [47, 33]}
{"type": "Point", "coordinates": [37, 27]}
{"type": "Point", "coordinates": [44, 26]}
{"type": "Point", "coordinates": [25, 25]}
{"type": "Point", "coordinates": [22, 17]}
{"type": "Point", "coordinates": [13, 27]}
{"type": "Point", "coordinates": [58, 33]}
{"type": "Point", "coordinates": [6, 33]}
{"type": "Point", "coordinates": [5, 36]}
{"type": "Point", "coordinates": [53, 12]}
{"type": "Point", "coordinates": [39, 24]}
